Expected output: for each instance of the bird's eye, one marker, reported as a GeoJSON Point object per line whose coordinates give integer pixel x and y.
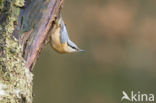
{"type": "Point", "coordinates": [72, 46]}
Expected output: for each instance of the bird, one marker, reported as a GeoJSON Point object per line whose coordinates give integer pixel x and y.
{"type": "Point", "coordinates": [59, 38]}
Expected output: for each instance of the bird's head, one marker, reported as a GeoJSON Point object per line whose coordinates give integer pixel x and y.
{"type": "Point", "coordinates": [72, 47]}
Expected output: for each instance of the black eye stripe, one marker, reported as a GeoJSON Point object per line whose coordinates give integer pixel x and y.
{"type": "Point", "coordinates": [71, 46]}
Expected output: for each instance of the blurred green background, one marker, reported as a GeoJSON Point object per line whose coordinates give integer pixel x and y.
{"type": "Point", "coordinates": [119, 38]}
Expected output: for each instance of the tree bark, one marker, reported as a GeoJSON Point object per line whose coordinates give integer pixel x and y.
{"type": "Point", "coordinates": [24, 27]}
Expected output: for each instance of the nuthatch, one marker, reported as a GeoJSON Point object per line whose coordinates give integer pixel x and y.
{"type": "Point", "coordinates": [59, 39]}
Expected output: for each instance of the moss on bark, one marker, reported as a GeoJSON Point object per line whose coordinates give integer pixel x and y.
{"type": "Point", "coordinates": [15, 78]}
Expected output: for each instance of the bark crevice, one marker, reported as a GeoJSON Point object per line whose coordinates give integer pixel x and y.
{"type": "Point", "coordinates": [23, 30]}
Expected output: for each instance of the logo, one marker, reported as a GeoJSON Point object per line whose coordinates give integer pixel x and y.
{"type": "Point", "coordinates": [137, 97]}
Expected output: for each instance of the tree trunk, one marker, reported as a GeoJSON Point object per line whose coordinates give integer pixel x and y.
{"type": "Point", "coordinates": [24, 27]}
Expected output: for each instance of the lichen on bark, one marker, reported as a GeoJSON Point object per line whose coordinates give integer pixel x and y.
{"type": "Point", "coordinates": [15, 78]}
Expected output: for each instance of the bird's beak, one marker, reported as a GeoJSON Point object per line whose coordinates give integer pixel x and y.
{"type": "Point", "coordinates": [79, 50]}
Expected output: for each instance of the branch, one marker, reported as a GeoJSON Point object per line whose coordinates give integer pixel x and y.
{"type": "Point", "coordinates": [35, 21]}
{"type": "Point", "coordinates": [23, 31]}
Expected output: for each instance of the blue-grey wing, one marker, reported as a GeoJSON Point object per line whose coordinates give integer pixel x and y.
{"type": "Point", "coordinates": [63, 33]}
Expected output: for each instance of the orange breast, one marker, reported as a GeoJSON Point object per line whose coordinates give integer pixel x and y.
{"type": "Point", "coordinates": [55, 41]}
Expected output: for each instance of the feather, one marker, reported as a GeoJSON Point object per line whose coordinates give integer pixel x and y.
{"type": "Point", "coordinates": [63, 33]}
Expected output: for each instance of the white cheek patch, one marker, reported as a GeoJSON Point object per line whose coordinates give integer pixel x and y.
{"type": "Point", "coordinates": [69, 49]}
